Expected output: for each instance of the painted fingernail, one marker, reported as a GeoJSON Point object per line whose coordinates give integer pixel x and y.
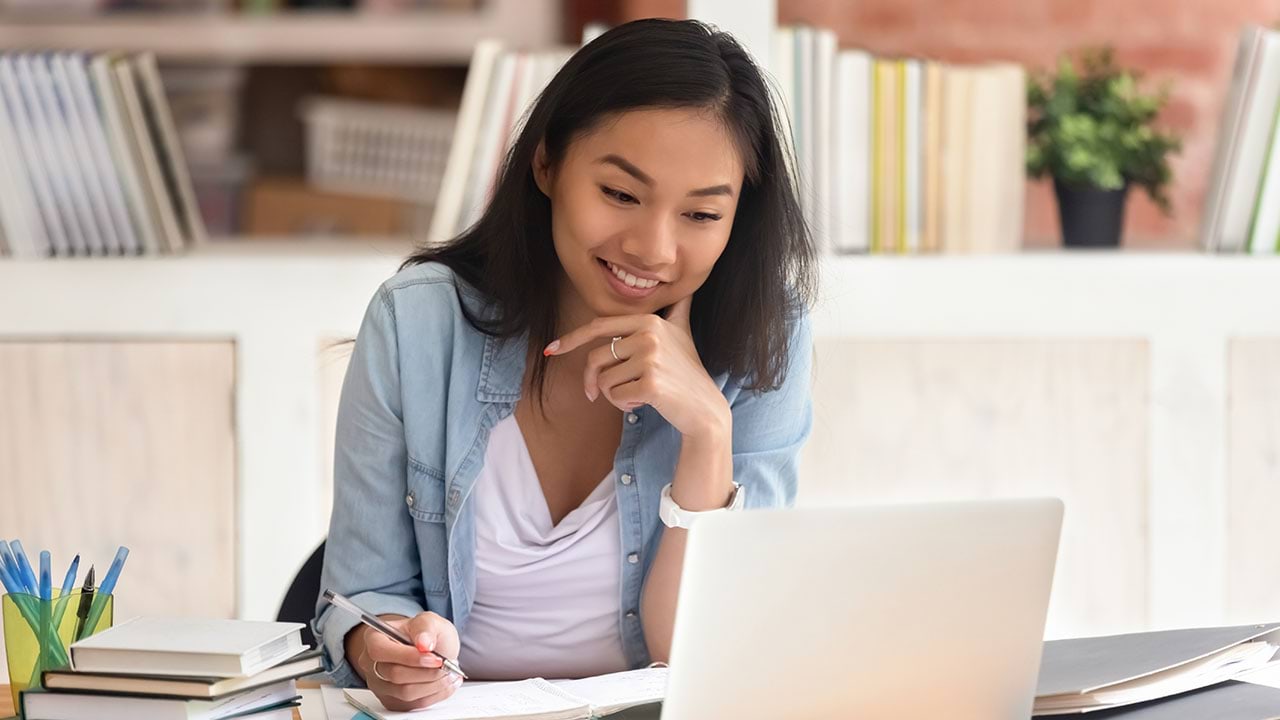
{"type": "Point", "coordinates": [430, 661]}
{"type": "Point", "coordinates": [554, 346]}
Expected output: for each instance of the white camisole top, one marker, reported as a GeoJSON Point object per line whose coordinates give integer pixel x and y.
{"type": "Point", "coordinates": [547, 597]}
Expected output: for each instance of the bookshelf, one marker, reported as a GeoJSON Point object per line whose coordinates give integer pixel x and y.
{"type": "Point", "coordinates": [1186, 313]}
{"type": "Point", "coordinates": [439, 37]}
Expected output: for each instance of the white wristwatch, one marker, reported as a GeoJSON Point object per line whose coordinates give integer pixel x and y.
{"type": "Point", "coordinates": [674, 516]}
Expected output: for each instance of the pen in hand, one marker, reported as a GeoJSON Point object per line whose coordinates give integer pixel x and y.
{"type": "Point", "coordinates": [378, 624]}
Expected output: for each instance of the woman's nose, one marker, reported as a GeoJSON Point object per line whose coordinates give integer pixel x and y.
{"type": "Point", "coordinates": [653, 244]}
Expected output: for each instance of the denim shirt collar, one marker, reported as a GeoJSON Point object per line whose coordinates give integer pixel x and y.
{"type": "Point", "coordinates": [502, 369]}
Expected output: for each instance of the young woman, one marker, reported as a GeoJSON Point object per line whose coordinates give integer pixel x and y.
{"type": "Point", "coordinates": [533, 411]}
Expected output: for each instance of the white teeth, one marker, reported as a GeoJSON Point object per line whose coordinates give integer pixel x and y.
{"type": "Point", "coordinates": [628, 278]}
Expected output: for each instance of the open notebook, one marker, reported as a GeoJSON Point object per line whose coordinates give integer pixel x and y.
{"type": "Point", "coordinates": [534, 699]}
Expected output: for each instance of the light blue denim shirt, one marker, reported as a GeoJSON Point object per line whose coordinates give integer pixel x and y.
{"type": "Point", "coordinates": [421, 394]}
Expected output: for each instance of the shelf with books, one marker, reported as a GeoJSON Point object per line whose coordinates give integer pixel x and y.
{"type": "Point", "coordinates": [425, 37]}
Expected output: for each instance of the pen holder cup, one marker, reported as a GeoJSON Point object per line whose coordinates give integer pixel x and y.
{"type": "Point", "coordinates": [38, 633]}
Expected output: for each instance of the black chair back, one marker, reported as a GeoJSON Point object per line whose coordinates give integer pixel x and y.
{"type": "Point", "coordinates": [299, 603]}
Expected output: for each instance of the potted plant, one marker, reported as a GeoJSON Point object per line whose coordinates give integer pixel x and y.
{"type": "Point", "coordinates": [1093, 132]}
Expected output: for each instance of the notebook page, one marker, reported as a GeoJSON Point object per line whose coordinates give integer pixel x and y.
{"type": "Point", "coordinates": [534, 698]}
{"type": "Point", "coordinates": [618, 691]}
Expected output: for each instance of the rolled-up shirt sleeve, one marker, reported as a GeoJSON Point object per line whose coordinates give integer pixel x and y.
{"type": "Point", "coordinates": [370, 555]}
{"type": "Point", "coordinates": [770, 428]}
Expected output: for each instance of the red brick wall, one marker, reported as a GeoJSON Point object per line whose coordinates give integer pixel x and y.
{"type": "Point", "coordinates": [1190, 43]}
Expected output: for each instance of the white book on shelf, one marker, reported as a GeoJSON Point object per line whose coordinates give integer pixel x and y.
{"type": "Point", "coordinates": [1014, 135]}
{"type": "Point", "coordinates": [19, 209]}
{"type": "Point", "coordinates": [96, 123]}
{"type": "Point", "coordinates": [64, 200]}
{"type": "Point", "coordinates": [453, 185]}
{"type": "Point", "coordinates": [784, 57]}
{"type": "Point", "coordinates": [931, 164]}
{"type": "Point", "coordinates": [1265, 225]}
{"type": "Point", "coordinates": [173, 162]}
{"type": "Point", "coordinates": [986, 182]}
{"type": "Point", "coordinates": [851, 149]}
{"type": "Point", "coordinates": [912, 139]}
{"type": "Point", "coordinates": [124, 151]}
{"type": "Point", "coordinates": [60, 133]}
{"type": "Point", "coordinates": [490, 140]}
{"type": "Point", "coordinates": [33, 153]}
{"type": "Point", "coordinates": [171, 235]}
{"type": "Point", "coordinates": [86, 162]}
{"type": "Point", "coordinates": [1244, 175]}
{"type": "Point", "coordinates": [824, 60]}
{"type": "Point", "coordinates": [805, 126]}
{"type": "Point", "coordinates": [1231, 126]}
{"type": "Point", "coordinates": [957, 101]}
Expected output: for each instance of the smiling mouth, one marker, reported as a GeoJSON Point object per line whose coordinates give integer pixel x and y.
{"type": "Point", "coordinates": [628, 279]}
{"type": "Point", "coordinates": [627, 286]}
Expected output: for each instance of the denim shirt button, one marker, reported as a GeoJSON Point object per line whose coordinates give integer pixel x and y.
{"type": "Point", "coordinates": [455, 496]}
{"type": "Point", "coordinates": [631, 614]}
{"type": "Point", "coordinates": [626, 479]}
{"type": "Point", "coordinates": [633, 558]}
{"type": "Point", "coordinates": [408, 499]}
{"type": "Point", "coordinates": [633, 418]}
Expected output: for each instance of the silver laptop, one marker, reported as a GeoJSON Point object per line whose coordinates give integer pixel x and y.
{"type": "Point", "coordinates": [894, 612]}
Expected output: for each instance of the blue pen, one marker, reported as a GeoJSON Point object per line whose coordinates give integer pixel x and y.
{"type": "Point", "coordinates": [11, 586]}
{"type": "Point", "coordinates": [69, 582]}
{"type": "Point", "coordinates": [19, 583]}
{"type": "Point", "coordinates": [24, 566]}
{"type": "Point", "coordinates": [46, 577]}
{"type": "Point", "coordinates": [104, 591]}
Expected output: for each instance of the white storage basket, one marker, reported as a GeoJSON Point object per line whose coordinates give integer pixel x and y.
{"type": "Point", "coordinates": [378, 149]}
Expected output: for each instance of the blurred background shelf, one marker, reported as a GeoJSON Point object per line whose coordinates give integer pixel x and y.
{"type": "Point", "coordinates": [441, 37]}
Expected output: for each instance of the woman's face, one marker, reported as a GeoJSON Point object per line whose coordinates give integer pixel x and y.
{"type": "Point", "coordinates": [641, 209]}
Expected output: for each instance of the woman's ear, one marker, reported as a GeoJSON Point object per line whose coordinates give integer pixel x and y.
{"type": "Point", "coordinates": [541, 169]}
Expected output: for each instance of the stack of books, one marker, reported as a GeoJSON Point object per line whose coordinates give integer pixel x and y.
{"type": "Point", "coordinates": [162, 668]}
{"type": "Point", "coordinates": [893, 155]}
{"type": "Point", "coordinates": [90, 162]}
{"type": "Point", "coordinates": [904, 155]}
{"type": "Point", "coordinates": [1242, 207]}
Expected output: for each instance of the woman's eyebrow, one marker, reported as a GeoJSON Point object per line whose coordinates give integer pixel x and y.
{"type": "Point", "coordinates": [629, 168]}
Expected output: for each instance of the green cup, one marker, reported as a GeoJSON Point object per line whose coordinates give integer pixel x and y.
{"type": "Point", "coordinates": [38, 633]}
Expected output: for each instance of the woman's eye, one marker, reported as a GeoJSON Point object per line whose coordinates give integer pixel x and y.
{"type": "Point", "coordinates": [617, 195]}
{"type": "Point", "coordinates": [702, 217]}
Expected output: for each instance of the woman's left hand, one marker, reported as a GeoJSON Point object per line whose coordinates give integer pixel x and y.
{"type": "Point", "coordinates": [656, 365]}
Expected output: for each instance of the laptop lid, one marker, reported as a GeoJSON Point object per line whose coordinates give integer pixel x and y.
{"type": "Point", "coordinates": [895, 612]}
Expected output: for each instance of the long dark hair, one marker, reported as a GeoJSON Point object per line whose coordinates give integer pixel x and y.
{"type": "Point", "coordinates": [765, 278]}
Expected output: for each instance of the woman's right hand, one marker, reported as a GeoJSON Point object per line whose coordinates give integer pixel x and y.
{"type": "Point", "coordinates": [408, 678]}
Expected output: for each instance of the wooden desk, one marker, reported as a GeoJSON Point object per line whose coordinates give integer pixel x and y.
{"type": "Point", "coordinates": [7, 710]}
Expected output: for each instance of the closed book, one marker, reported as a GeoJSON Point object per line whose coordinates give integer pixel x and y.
{"type": "Point", "coordinates": [189, 688]}
{"type": "Point", "coordinates": [188, 647]}
{"type": "Point", "coordinates": [268, 703]}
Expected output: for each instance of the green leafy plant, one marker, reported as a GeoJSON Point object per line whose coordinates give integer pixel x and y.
{"type": "Point", "coordinates": [1095, 128]}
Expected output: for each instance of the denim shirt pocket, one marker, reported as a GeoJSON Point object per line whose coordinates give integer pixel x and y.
{"type": "Point", "coordinates": [426, 506]}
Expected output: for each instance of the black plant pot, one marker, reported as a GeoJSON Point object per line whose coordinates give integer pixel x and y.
{"type": "Point", "coordinates": [1091, 217]}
